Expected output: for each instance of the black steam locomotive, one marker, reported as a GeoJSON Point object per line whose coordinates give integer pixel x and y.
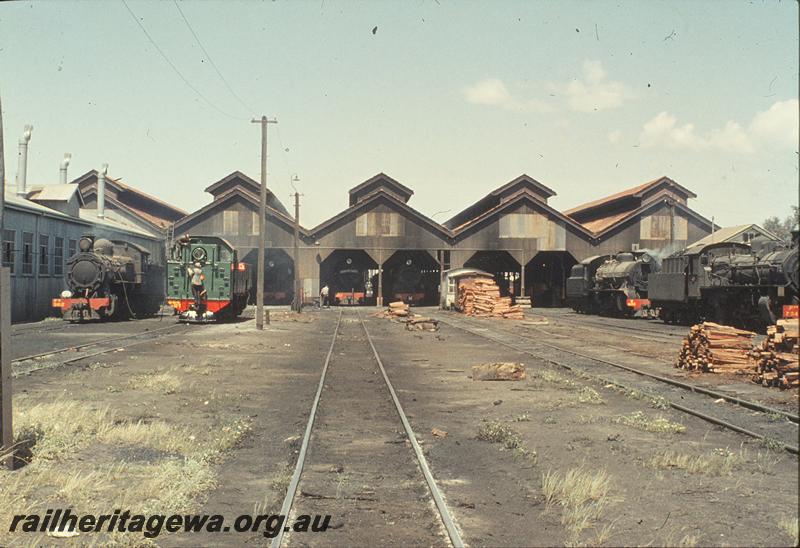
{"type": "Point", "coordinates": [110, 280]}
{"type": "Point", "coordinates": [733, 283]}
{"type": "Point", "coordinates": [614, 285]}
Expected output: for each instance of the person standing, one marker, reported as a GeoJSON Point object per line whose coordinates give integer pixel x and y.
{"type": "Point", "coordinates": [323, 294]}
{"type": "Point", "coordinates": [197, 278]}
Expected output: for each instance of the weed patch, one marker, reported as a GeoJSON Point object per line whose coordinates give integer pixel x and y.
{"type": "Point", "coordinates": [644, 422]}
{"type": "Point", "coordinates": [497, 432]}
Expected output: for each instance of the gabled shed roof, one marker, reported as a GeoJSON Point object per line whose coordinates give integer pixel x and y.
{"type": "Point", "coordinates": [248, 184]}
{"type": "Point", "coordinates": [221, 201]}
{"type": "Point", "coordinates": [370, 199]}
{"type": "Point", "coordinates": [491, 200]}
{"type": "Point", "coordinates": [523, 195]}
{"type": "Point", "coordinates": [381, 180]}
{"type": "Point", "coordinates": [594, 208]}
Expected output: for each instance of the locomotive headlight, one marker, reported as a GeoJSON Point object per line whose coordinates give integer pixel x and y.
{"type": "Point", "coordinates": [66, 294]}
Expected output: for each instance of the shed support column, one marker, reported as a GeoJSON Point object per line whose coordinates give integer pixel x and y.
{"type": "Point", "coordinates": [379, 298]}
{"type": "Point", "coordinates": [522, 276]}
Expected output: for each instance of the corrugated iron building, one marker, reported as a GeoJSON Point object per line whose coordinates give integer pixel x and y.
{"type": "Point", "coordinates": [42, 228]}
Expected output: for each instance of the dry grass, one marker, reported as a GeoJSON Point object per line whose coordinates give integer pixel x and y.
{"type": "Point", "coordinates": [790, 526]}
{"type": "Point", "coordinates": [165, 383]}
{"type": "Point", "coordinates": [176, 471]}
{"type": "Point", "coordinates": [659, 424]}
{"type": "Point", "coordinates": [589, 395]}
{"type": "Point", "coordinates": [583, 496]}
{"type": "Point", "coordinates": [554, 378]}
{"type": "Point", "coordinates": [280, 481]}
{"type": "Point", "coordinates": [59, 427]}
{"type": "Point", "coordinates": [721, 462]}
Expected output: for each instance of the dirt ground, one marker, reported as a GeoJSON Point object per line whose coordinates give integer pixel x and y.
{"type": "Point", "coordinates": [210, 422]}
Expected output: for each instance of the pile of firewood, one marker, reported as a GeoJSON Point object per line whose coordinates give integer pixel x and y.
{"type": "Point", "coordinates": [401, 312]}
{"type": "Point", "coordinates": [397, 309]}
{"type": "Point", "coordinates": [481, 297]}
{"type": "Point", "coordinates": [713, 347]}
{"type": "Point", "coordinates": [776, 358]}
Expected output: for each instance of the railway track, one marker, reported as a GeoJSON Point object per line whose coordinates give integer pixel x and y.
{"type": "Point", "coordinates": [395, 468]}
{"type": "Point", "coordinates": [629, 330]}
{"type": "Point", "coordinates": [64, 356]}
{"type": "Point", "coordinates": [61, 325]}
{"type": "Point", "coordinates": [697, 401]}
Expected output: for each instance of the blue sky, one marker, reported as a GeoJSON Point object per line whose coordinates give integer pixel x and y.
{"type": "Point", "coordinates": [452, 99]}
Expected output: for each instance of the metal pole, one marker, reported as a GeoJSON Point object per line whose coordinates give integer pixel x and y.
{"type": "Point", "coordinates": [262, 225]}
{"type": "Point", "coordinates": [298, 298]}
{"type": "Point", "coordinates": [6, 426]}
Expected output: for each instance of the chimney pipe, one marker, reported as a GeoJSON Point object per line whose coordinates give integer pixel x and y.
{"type": "Point", "coordinates": [101, 192]}
{"type": "Point", "coordinates": [22, 169]}
{"type": "Point", "coordinates": [64, 164]}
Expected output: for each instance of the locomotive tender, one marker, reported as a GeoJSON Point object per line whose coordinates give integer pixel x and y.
{"type": "Point", "coordinates": [110, 280]}
{"type": "Point", "coordinates": [226, 284]}
{"type": "Point", "coordinates": [611, 284]}
{"type": "Point", "coordinates": [726, 282]}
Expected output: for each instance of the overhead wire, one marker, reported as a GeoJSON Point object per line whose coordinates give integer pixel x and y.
{"type": "Point", "coordinates": [247, 107]}
{"type": "Point", "coordinates": [175, 68]}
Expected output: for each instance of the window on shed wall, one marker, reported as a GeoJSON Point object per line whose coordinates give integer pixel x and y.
{"type": "Point", "coordinates": [58, 257]}
{"type": "Point", "coordinates": [523, 225]}
{"type": "Point", "coordinates": [27, 252]}
{"type": "Point", "coordinates": [44, 254]}
{"type": "Point", "coordinates": [72, 247]}
{"type": "Point", "coordinates": [376, 223]}
{"type": "Point", "coordinates": [9, 248]}
{"type": "Point", "coordinates": [230, 222]}
{"type": "Point", "coordinates": [254, 228]}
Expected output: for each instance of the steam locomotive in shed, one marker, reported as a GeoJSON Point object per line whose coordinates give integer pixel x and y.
{"type": "Point", "coordinates": [749, 285]}
{"type": "Point", "coordinates": [225, 281]}
{"type": "Point", "coordinates": [110, 280]}
{"type": "Point", "coordinates": [349, 283]}
{"type": "Point", "coordinates": [614, 285]}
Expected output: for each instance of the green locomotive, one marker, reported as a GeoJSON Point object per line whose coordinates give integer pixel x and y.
{"type": "Point", "coordinates": [205, 280]}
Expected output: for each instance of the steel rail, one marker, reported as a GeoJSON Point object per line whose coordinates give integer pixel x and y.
{"type": "Point", "coordinates": [301, 457]}
{"type": "Point", "coordinates": [444, 512]}
{"type": "Point", "coordinates": [41, 329]}
{"type": "Point", "coordinates": [85, 345]}
{"type": "Point", "coordinates": [611, 326]}
{"type": "Point", "coordinates": [678, 407]}
{"type": "Point", "coordinates": [49, 365]}
{"type": "Point", "coordinates": [560, 336]}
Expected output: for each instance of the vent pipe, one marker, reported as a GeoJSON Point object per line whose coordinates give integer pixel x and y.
{"type": "Point", "coordinates": [64, 164]}
{"type": "Point", "coordinates": [22, 169]}
{"type": "Point", "coordinates": [101, 192]}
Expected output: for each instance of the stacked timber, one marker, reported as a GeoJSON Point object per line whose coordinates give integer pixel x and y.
{"type": "Point", "coordinates": [480, 297]}
{"type": "Point", "coordinates": [711, 347]}
{"type": "Point", "coordinates": [776, 358]}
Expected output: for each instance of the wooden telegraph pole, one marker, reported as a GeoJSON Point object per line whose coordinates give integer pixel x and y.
{"type": "Point", "coordinates": [262, 224]}
{"type": "Point", "coordinates": [297, 302]}
{"type": "Point", "coordinates": [6, 427]}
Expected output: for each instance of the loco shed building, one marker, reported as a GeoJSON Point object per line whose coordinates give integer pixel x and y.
{"type": "Point", "coordinates": [379, 248]}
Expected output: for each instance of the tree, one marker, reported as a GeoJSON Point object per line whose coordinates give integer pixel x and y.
{"type": "Point", "coordinates": [783, 228]}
